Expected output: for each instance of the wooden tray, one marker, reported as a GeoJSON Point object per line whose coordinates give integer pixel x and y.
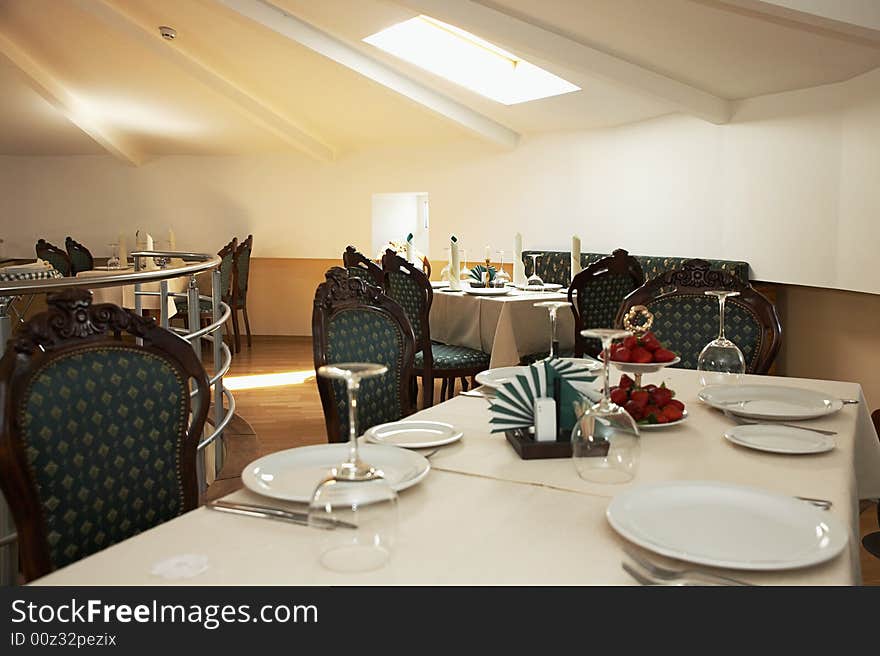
{"type": "Point", "coordinates": [528, 449]}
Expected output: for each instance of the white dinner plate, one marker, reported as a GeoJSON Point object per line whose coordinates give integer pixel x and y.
{"type": "Point", "coordinates": [770, 401]}
{"type": "Point", "coordinates": [684, 416]}
{"type": "Point", "coordinates": [548, 287]}
{"type": "Point", "coordinates": [726, 525]}
{"type": "Point", "coordinates": [413, 434]}
{"type": "Point", "coordinates": [779, 439]}
{"type": "Point", "coordinates": [587, 363]}
{"type": "Point", "coordinates": [486, 291]}
{"type": "Point", "coordinates": [437, 284]}
{"type": "Point", "coordinates": [495, 378]}
{"type": "Point", "coordinates": [293, 474]}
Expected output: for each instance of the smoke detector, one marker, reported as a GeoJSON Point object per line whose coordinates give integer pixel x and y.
{"type": "Point", "coordinates": [168, 33]}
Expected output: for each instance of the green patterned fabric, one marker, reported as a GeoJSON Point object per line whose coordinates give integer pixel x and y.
{"type": "Point", "coordinates": [599, 302]}
{"type": "Point", "coordinates": [243, 263]}
{"type": "Point", "coordinates": [367, 335]}
{"type": "Point", "coordinates": [686, 323]}
{"type": "Point", "coordinates": [454, 357]}
{"type": "Point", "coordinates": [101, 430]}
{"type": "Point", "coordinates": [406, 291]}
{"type": "Point", "coordinates": [58, 262]}
{"type": "Point", "coordinates": [206, 307]}
{"type": "Point", "coordinates": [555, 266]}
{"type": "Point", "coordinates": [79, 260]}
{"type": "Point", "coordinates": [361, 272]}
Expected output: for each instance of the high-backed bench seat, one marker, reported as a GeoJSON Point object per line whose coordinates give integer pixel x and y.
{"type": "Point", "coordinates": [555, 266]}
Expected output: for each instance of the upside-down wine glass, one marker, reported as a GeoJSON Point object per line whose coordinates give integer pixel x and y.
{"type": "Point", "coordinates": [605, 439]}
{"type": "Point", "coordinates": [113, 260]}
{"type": "Point", "coordinates": [465, 272]}
{"type": "Point", "coordinates": [553, 308]}
{"type": "Point", "coordinates": [534, 280]}
{"type": "Point", "coordinates": [354, 505]}
{"type": "Point", "coordinates": [502, 278]}
{"type": "Point", "coordinates": [721, 362]}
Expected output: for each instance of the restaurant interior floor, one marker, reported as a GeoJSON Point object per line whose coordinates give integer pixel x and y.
{"type": "Point", "coordinates": [278, 407]}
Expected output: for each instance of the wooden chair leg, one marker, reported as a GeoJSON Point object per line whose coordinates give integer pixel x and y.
{"type": "Point", "coordinates": [236, 331]}
{"type": "Point", "coordinates": [464, 384]}
{"type": "Point", "coordinates": [427, 390]}
{"type": "Point", "coordinates": [451, 387]}
{"type": "Point", "coordinates": [443, 386]}
{"type": "Point", "coordinates": [247, 325]}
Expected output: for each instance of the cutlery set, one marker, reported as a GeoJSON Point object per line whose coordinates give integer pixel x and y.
{"type": "Point", "coordinates": [648, 572]}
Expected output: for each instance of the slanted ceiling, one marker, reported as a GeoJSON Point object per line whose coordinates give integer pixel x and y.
{"type": "Point", "coordinates": [256, 76]}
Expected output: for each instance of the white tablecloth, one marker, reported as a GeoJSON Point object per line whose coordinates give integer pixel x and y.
{"type": "Point", "coordinates": [508, 327]}
{"type": "Point", "coordinates": [123, 296]}
{"type": "Point", "coordinates": [485, 516]}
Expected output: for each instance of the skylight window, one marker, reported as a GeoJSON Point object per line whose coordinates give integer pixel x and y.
{"type": "Point", "coordinates": [469, 61]}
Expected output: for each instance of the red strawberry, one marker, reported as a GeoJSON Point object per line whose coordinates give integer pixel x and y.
{"type": "Point", "coordinates": [672, 413]}
{"type": "Point", "coordinates": [620, 354]}
{"type": "Point", "coordinates": [652, 410]}
{"type": "Point", "coordinates": [630, 342]}
{"type": "Point", "coordinates": [650, 343]}
{"type": "Point", "coordinates": [662, 419]}
{"type": "Point", "coordinates": [662, 396]}
{"type": "Point", "coordinates": [640, 355]}
{"type": "Point", "coordinates": [650, 388]}
{"type": "Point", "coordinates": [640, 397]}
{"type": "Point", "coordinates": [663, 355]}
{"type": "Point", "coordinates": [619, 395]}
{"type": "Point", "coordinates": [675, 403]}
{"type": "Point", "coordinates": [626, 382]}
{"type": "Point", "coordinates": [635, 410]}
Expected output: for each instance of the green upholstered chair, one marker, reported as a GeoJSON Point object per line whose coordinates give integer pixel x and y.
{"type": "Point", "coordinates": [596, 293]}
{"type": "Point", "coordinates": [206, 311]}
{"type": "Point", "coordinates": [241, 268]}
{"type": "Point", "coordinates": [411, 288]}
{"type": "Point", "coordinates": [99, 434]}
{"type": "Point", "coordinates": [353, 321]}
{"type": "Point", "coordinates": [80, 257]}
{"type": "Point", "coordinates": [54, 256]}
{"type": "Point", "coordinates": [361, 266]}
{"type": "Point", "coordinates": [685, 319]}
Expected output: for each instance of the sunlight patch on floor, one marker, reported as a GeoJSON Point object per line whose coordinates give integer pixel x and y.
{"type": "Point", "coordinates": [256, 381]}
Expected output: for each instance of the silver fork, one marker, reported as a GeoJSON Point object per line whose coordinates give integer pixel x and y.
{"type": "Point", "coordinates": [749, 422]}
{"type": "Point", "coordinates": [671, 574]}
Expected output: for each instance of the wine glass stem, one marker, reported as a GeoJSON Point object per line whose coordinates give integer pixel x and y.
{"type": "Point", "coordinates": [721, 300]}
{"type": "Point", "coordinates": [554, 343]}
{"type": "Point", "coordinates": [606, 371]}
{"type": "Point", "coordinates": [353, 385]}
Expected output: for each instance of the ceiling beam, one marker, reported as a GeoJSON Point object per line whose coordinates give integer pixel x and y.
{"type": "Point", "coordinates": [851, 18]}
{"type": "Point", "coordinates": [529, 40]}
{"type": "Point", "coordinates": [305, 34]}
{"type": "Point", "coordinates": [250, 106]}
{"type": "Point", "coordinates": [40, 79]}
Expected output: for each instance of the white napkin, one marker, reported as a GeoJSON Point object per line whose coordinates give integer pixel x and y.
{"type": "Point", "coordinates": [575, 256]}
{"type": "Point", "coordinates": [149, 264]}
{"type": "Point", "coordinates": [172, 241]}
{"type": "Point", "coordinates": [454, 264]}
{"type": "Point", "coordinates": [30, 267]}
{"type": "Point", "coordinates": [408, 251]}
{"type": "Point", "coordinates": [519, 269]}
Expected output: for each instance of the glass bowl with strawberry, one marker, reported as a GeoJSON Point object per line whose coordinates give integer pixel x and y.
{"type": "Point", "coordinates": [650, 406]}
{"type": "Point", "coordinates": [642, 354]}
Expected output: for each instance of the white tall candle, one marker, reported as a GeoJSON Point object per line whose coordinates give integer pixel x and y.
{"type": "Point", "coordinates": [575, 256]}
{"type": "Point", "coordinates": [519, 269]}
{"type": "Point", "coordinates": [123, 250]}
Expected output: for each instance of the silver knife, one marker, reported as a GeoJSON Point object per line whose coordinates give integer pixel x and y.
{"type": "Point", "coordinates": [266, 512]}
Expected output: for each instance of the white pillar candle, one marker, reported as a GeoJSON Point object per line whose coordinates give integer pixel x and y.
{"type": "Point", "coordinates": [172, 242]}
{"type": "Point", "coordinates": [122, 253]}
{"type": "Point", "coordinates": [575, 256]}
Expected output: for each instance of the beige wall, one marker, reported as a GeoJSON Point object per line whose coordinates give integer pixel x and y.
{"type": "Point", "coordinates": [827, 333]}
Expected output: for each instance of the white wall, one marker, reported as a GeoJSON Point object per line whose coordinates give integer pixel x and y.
{"type": "Point", "coordinates": [791, 185]}
{"type": "Point", "coordinates": [396, 215]}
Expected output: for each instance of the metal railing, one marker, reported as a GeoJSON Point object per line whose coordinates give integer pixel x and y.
{"type": "Point", "coordinates": [224, 403]}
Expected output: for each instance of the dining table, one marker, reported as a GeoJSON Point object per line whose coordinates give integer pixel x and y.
{"type": "Point", "coordinates": [124, 295]}
{"type": "Point", "coordinates": [508, 327]}
{"type": "Point", "coordinates": [482, 515]}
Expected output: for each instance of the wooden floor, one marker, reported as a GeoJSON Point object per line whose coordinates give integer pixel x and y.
{"type": "Point", "coordinates": [287, 415]}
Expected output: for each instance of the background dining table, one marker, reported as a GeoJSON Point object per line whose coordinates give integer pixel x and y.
{"type": "Point", "coordinates": [123, 295]}
{"type": "Point", "coordinates": [484, 516]}
{"type": "Point", "coordinates": [508, 327]}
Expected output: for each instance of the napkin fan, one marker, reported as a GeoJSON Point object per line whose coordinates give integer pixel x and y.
{"type": "Point", "coordinates": [514, 404]}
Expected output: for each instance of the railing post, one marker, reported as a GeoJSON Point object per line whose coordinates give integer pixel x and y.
{"type": "Point", "coordinates": [217, 341]}
{"type": "Point", "coordinates": [163, 303]}
{"type": "Point", "coordinates": [138, 303]}
{"type": "Point", "coordinates": [192, 300]}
